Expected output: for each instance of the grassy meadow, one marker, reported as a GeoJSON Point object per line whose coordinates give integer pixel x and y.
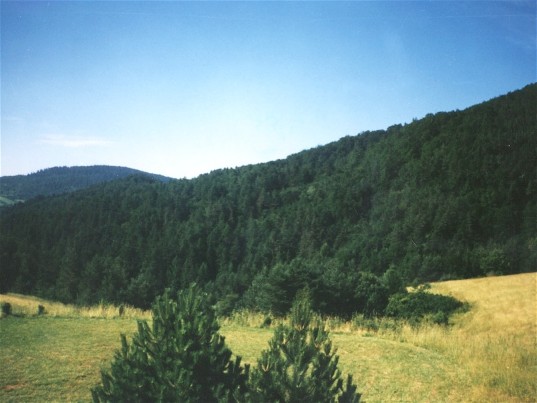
{"type": "Point", "coordinates": [488, 354]}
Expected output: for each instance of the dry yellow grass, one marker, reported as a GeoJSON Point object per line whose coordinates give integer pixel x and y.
{"type": "Point", "coordinates": [504, 305]}
{"type": "Point", "coordinates": [495, 342]}
{"type": "Point", "coordinates": [27, 306]}
{"type": "Point", "coordinates": [493, 346]}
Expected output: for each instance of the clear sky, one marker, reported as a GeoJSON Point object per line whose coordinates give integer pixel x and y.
{"type": "Point", "coordinates": [182, 88]}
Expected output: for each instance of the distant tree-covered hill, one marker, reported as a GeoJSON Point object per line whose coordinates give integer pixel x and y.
{"type": "Point", "coordinates": [60, 180]}
{"type": "Point", "coordinates": [451, 195]}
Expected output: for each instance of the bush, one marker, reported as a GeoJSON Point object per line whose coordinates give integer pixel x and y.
{"type": "Point", "coordinates": [40, 310]}
{"type": "Point", "coordinates": [6, 309]}
{"type": "Point", "coordinates": [180, 358]}
{"type": "Point", "coordinates": [266, 322]}
{"type": "Point", "coordinates": [300, 364]}
{"type": "Point", "coordinates": [415, 306]}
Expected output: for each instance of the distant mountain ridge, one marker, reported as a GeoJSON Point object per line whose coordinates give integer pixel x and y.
{"type": "Point", "coordinates": [58, 180]}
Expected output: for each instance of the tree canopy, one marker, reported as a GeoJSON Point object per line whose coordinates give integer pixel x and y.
{"type": "Point", "coordinates": [452, 195]}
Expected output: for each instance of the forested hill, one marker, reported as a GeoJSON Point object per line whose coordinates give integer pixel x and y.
{"type": "Point", "coordinates": [60, 180]}
{"type": "Point", "coordinates": [451, 195]}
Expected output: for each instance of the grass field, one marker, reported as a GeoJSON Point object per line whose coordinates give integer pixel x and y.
{"type": "Point", "coordinates": [489, 354]}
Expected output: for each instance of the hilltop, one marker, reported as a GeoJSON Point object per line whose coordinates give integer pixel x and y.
{"type": "Point", "coordinates": [452, 195]}
{"type": "Point", "coordinates": [58, 180]}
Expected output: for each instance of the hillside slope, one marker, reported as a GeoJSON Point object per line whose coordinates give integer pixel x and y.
{"type": "Point", "coordinates": [452, 195]}
{"type": "Point", "coordinates": [60, 180]}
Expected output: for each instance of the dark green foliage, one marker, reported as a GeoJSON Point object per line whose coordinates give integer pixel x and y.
{"type": "Point", "coordinates": [41, 310]}
{"type": "Point", "coordinates": [274, 290]}
{"type": "Point", "coordinates": [346, 292]}
{"type": "Point", "coordinates": [226, 304]}
{"type": "Point", "coordinates": [414, 306]}
{"type": "Point", "coordinates": [300, 364]}
{"type": "Point", "coordinates": [371, 294]}
{"type": "Point", "coordinates": [334, 290]}
{"type": "Point", "coordinates": [6, 309]}
{"type": "Point", "coordinates": [180, 358]}
{"type": "Point", "coordinates": [452, 195]}
{"type": "Point", "coordinates": [60, 180]}
{"type": "Point", "coordinates": [267, 321]}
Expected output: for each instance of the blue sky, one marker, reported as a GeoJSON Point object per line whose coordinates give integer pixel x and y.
{"type": "Point", "coordinates": [182, 88]}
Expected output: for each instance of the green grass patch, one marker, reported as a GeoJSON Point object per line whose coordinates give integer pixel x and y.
{"type": "Point", "coordinates": [488, 354]}
{"type": "Point", "coordinates": [52, 359]}
{"type": "Point", "coordinates": [384, 370]}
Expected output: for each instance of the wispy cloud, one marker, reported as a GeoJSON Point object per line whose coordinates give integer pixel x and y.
{"type": "Point", "coordinates": [67, 141]}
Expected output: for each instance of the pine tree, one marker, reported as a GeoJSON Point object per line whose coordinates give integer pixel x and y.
{"type": "Point", "coordinates": [300, 364]}
{"type": "Point", "coordinates": [181, 358]}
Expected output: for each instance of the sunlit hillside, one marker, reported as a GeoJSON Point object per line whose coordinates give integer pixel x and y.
{"type": "Point", "coordinates": [496, 341]}
{"type": "Point", "coordinates": [503, 304]}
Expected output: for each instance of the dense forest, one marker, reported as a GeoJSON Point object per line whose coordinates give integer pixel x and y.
{"type": "Point", "coordinates": [452, 195]}
{"type": "Point", "coordinates": [58, 180]}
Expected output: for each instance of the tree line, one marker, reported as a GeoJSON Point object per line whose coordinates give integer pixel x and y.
{"type": "Point", "coordinates": [452, 195]}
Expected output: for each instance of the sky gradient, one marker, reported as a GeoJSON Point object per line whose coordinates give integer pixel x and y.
{"type": "Point", "coordinates": [183, 88]}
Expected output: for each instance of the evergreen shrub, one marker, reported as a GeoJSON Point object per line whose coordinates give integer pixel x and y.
{"type": "Point", "coordinates": [180, 358]}
{"type": "Point", "coordinates": [300, 364]}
